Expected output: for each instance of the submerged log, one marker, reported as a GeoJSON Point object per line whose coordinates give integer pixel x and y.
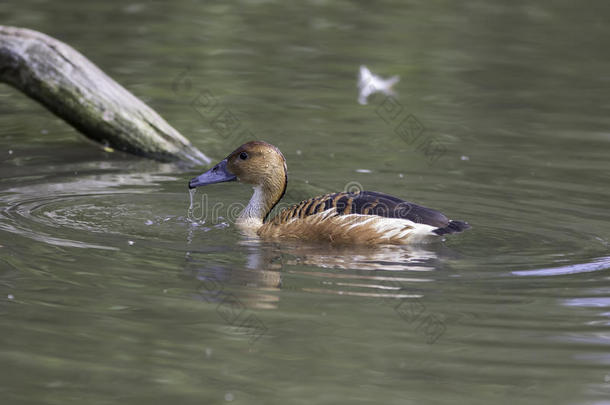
{"type": "Point", "coordinates": [72, 87]}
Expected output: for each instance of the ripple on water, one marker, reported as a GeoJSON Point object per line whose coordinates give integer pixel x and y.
{"type": "Point", "coordinates": [108, 210]}
{"type": "Point", "coordinates": [95, 212]}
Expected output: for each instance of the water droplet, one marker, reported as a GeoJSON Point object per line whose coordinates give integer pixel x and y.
{"type": "Point", "coordinates": [464, 157]}
{"type": "Point", "coordinates": [131, 243]}
{"type": "Point", "coordinates": [10, 297]}
{"type": "Point", "coordinates": [299, 153]}
{"type": "Point", "coordinates": [401, 175]}
{"type": "Point", "coordinates": [363, 171]}
{"type": "Point", "coordinates": [189, 213]}
{"type": "Point", "coordinates": [208, 352]}
{"type": "Point", "coordinates": [148, 222]}
{"type": "Point", "coordinates": [229, 397]}
{"type": "Point", "coordinates": [10, 151]}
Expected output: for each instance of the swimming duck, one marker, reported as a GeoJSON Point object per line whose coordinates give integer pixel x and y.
{"type": "Point", "coordinates": [362, 217]}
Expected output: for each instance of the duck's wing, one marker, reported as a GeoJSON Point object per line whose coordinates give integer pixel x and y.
{"type": "Point", "coordinates": [364, 203]}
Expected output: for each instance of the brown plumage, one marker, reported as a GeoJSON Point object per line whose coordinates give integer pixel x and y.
{"type": "Point", "coordinates": [365, 217]}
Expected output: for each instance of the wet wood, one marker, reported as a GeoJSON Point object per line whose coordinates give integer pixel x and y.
{"type": "Point", "coordinates": [73, 88]}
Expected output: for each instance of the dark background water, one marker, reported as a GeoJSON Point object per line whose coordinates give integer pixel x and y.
{"type": "Point", "coordinates": [110, 293]}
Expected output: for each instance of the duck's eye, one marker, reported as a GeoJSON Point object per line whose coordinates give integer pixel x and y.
{"type": "Point", "coordinates": [243, 156]}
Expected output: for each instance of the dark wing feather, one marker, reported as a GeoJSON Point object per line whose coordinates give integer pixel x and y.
{"type": "Point", "coordinates": [366, 203]}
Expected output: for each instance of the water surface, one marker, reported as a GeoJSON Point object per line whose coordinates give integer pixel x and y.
{"type": "Point", "coordinates": [110, 292]}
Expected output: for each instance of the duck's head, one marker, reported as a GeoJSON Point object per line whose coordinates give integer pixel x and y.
{"type": "Point", "coordinates": [257, 163]}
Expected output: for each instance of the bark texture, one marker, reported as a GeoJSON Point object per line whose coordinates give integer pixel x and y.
{"type": "Point", "coordinates": [73, 88]}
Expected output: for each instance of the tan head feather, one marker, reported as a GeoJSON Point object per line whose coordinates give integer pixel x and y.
{"type": "Point", "coordinates": [260, 164]}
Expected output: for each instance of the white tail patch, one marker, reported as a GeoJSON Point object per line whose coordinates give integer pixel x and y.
{"type": "Point", "coordinates": [404, 230]}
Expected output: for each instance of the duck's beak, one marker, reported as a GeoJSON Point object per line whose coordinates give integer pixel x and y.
{"type": "Point", "coordinates": [216, 174]}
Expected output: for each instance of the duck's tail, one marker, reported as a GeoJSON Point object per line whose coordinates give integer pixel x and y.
{"type": "Point", "coordinates": [452, 227]}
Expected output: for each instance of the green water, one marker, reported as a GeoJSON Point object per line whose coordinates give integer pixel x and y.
{"type": "Point", "coordinates": [109, 293]}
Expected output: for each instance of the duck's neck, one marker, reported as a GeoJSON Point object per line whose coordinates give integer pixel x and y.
{"type": "Point", "coordinates": [265, 197]}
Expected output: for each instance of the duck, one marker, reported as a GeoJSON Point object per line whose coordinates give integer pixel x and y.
{"type": "Point", "coordinates": [341, 218]}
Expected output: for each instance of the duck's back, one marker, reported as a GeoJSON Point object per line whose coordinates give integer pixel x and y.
{"type": "Point", "coordinates": [361, 217]}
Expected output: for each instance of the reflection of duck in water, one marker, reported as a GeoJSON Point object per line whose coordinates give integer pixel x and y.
{"type": "Point", "coordinates": [221, 282]}
{"type": "Point", "coordinates": [380, 271]}
{"type": "Point", "coordinates": [364, 217]}
{"type": "Point", "coordinates": [381, 258]}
